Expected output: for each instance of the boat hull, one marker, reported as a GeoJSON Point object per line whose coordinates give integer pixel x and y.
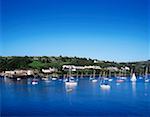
{"type": "Point", "coordinates": [71, 83]}
{"type": "Point", "coordinates": [94, 80]}
{"type": "Point", "coordinates": [105, 86]}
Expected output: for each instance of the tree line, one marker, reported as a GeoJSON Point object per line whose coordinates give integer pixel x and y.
{"type": "Point", "coordinates": [41, 62]}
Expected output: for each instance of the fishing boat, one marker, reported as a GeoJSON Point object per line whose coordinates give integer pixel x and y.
{"type": "Point", "coordinates": [133, 78]}
{"type": "Point", "coordinates": [104, 84]}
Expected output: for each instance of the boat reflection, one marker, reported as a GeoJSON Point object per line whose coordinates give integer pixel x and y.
{"type": "Point", "coordinates": [9, 81]}
{"type": "Point", "coordinates": [134, 88]}
{"type": "Point", "coordinates": [70, 88]}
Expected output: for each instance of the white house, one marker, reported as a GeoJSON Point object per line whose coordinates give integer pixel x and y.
{"type": "Point", "coordinates": [50, 70]}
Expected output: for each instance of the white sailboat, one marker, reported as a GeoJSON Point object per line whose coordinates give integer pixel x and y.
{"type": "Point", "coordinates": [94, 79]}
{"type": "Point", "coordinates": [104, 84]}
{"type": "Point", "coordinates": [110, 79]}
{"type": "Point", "coordinates": [133, 78]}
{"type": "Point", "coordinates": [91, 78]}
{"type": "Point", "coordinates": [71, 80]}
{"type": "Point", "coordinates": [146, 76]}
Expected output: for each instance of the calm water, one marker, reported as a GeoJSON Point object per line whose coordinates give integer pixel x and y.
{"type": "Point", "coordinates": [20, 98]}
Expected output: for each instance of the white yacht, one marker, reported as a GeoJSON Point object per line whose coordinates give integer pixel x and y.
{"type": "Point", "coordinates": [94, 79]}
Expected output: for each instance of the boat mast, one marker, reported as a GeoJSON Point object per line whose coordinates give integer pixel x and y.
{"type": "Point", "coordinates": [109, 74]}
{"type": "Point", "coordinates": [131, 72]}
{"type": "Point", "coordinates": [146, 73]}
{"type": "Point", "coordinates": [94, 73]}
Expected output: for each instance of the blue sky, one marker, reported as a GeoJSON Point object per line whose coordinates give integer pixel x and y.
{"type": "Point", "coordinates": [115, 30]}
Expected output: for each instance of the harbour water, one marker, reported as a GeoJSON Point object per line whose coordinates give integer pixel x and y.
{"type": "Point", "coordinates": [51, 98]}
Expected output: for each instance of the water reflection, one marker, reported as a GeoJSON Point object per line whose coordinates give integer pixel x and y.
{"type": "Point", "coordinates": [9, 81]}
{"type": "Point", "coordinates": [70, 88]}
{"type": "Point", "coordinates": [146, 89]}
{"type": "Point", "coordinates": [134, 88]}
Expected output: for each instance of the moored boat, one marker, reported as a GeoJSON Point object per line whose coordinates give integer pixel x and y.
{"type": "Point", "coordinates": [146, 80]}
{"type": "Point", "coordinates": [133, 78]}
{"type": "Point", "coordinates": [119, 80]}
{"type": "Point", "coordinates": [94, 80]}
{"type": "Point", "coordinates": [54, 78]}
{"type": "Point", "coordinates": [71, 81]}
{"type": "Point", "coordinates": [34, 82]}
{"type": "Point", "coordinates": [104, 84]}
{"type": "Point", "coordinates": [18, 79]}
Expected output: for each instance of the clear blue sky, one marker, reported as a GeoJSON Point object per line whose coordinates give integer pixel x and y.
{"type": "Point", "coordinates": [115, 30]}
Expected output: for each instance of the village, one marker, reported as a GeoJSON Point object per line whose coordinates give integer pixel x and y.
{"type": "Point", "coordinates": [76, 71]}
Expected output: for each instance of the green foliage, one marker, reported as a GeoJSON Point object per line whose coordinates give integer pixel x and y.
{"type": "Point", "coordinates": [37, 65]}
{"type": "Point", "coordinates": [39, 62]}
{"type": "Point", "coordinates": [14, 63]}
